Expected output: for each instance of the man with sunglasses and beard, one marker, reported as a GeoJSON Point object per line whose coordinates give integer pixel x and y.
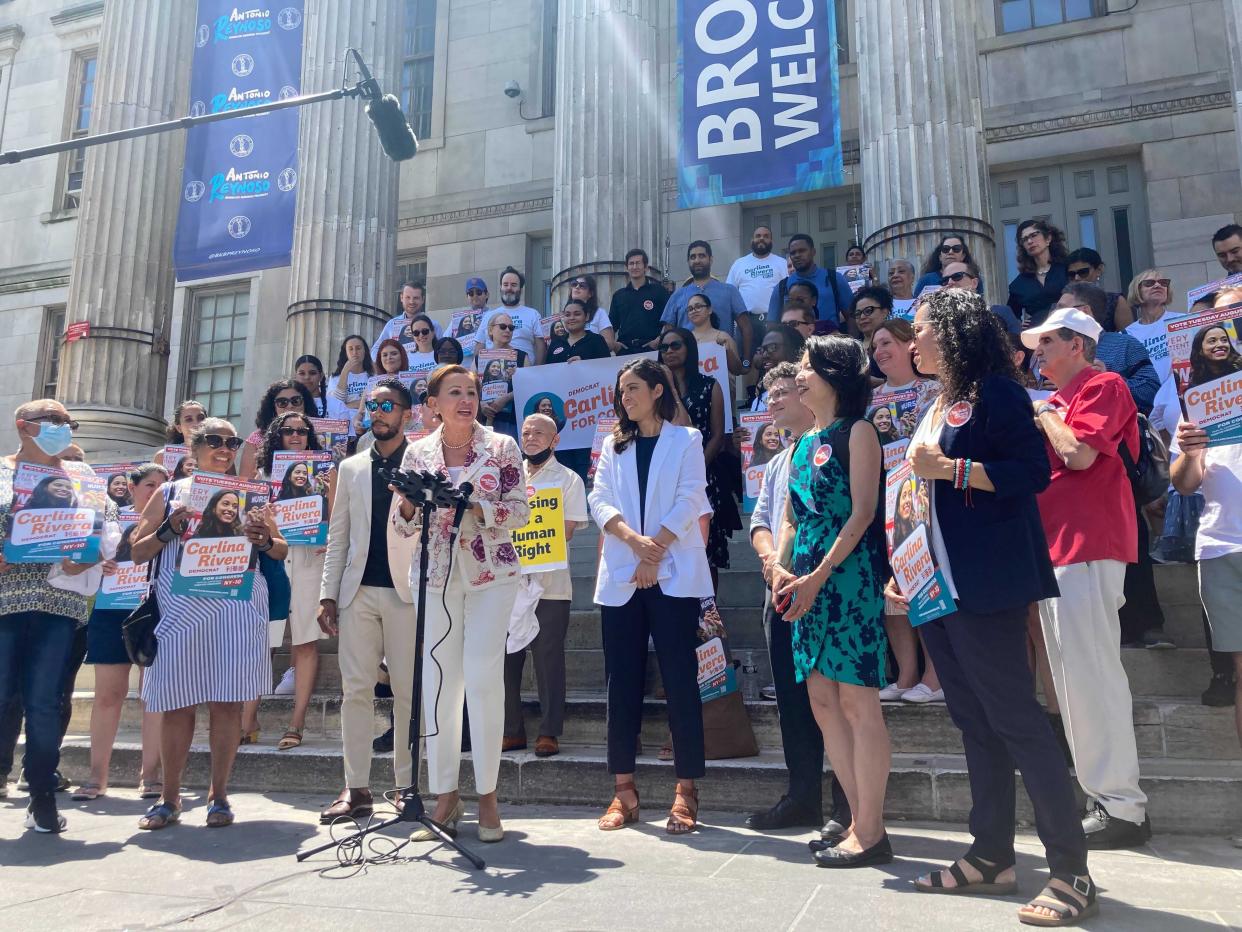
{"type": "Point", "coordinates": [365, 598]}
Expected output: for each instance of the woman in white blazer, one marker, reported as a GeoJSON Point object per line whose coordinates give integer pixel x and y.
{"type": "Point", "coordinates": [650, 491]}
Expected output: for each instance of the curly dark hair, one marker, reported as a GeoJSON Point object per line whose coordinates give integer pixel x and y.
{"type": "Point", "coordinates": [267, 405]}
{"type": "Point", "coordinates": [1203, 369]}
{"type": "Point", "coordinates": [274, 443]}
{"type": "Point", "coordinates": [933, 263]}
{"type": "Point", "coordinates": [1056, 249]}
{"type": "Point", "coordinates": [973, 342]}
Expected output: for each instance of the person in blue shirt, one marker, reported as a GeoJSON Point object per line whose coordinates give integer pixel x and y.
{"type": "Point", "coordinates": [951, 248]}
{"type": "Point", "coordinates": [727, 304]}
{"type": "Point", "coordinates": [834, 291]}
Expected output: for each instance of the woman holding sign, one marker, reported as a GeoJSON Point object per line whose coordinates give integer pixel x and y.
{"type": "Point", "coordinates": [211, 650]}
{"type": "Point", "coordinates": [291, 434]}
{"type": "Point", "coordinates": [828, 582]}
{"type": "Point", "coordinates": [497, 365]}
{"type": "Point", "coordinates": [282, 396]}
{"type": "Point", "coordinates": [650, 491]}
{"type": "Point", "coordinates": [985, 459]}
{"type": "Point", "coordinates": [105, 650]}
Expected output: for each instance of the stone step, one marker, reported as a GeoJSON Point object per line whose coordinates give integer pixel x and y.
{"type": "Point", "coordinates": [1163, 728]}
{"type": "Point", "coordinates": [1184, 795]}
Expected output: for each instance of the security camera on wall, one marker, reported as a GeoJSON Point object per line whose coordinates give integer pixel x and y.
{"type": "Point", "coordinates": [513, 90]}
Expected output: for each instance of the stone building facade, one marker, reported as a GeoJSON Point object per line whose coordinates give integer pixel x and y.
{"type": "Point", "coordinates": [1115, 119]}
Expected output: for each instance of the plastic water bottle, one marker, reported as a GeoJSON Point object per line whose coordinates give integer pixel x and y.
{"type": "Point", "coordinates": [750, 678]}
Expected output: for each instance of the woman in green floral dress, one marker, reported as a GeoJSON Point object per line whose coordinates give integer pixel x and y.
{"type": "Point", "coordinates": [832, 571]}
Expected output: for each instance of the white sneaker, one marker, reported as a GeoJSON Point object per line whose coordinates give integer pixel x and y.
{"type": "Point", "coordinates": [285, 686]}
{"type": "Point", "coordinates": [891, 693]}
{"type": "Point", "coordinates": [768, 693]}
{"type": "Point", "coordinates": [922, 693]}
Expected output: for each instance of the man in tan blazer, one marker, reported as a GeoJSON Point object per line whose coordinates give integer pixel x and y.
{"type": "Point", "coordinates": [366, 585]}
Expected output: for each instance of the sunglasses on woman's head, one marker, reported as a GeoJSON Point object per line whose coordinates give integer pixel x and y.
{"type": "Point", "coordinates": [386, 406]}
{"type": "Point", "coordinates": [295, 431]}
{"type": "Point", "coordinates": [1079, 273]}
{"type": "Point", "coordinates": [294, 402]}
{"type": "Point", "coordinates": [955, 277]}
{"type": "Point", "coordinates": [216, 441]}
{"type": "Point", "coordinates": [946, 248]}
{"type": "Point", "coordinates": [672, 345]}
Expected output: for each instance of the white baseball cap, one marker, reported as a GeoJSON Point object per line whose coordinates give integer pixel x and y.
{"type": "Point", "coordinates": [1071, 318]}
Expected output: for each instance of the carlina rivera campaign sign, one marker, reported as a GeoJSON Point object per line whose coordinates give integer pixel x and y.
{"type": "Point", "coordinates": [239, 185]}
{"type": "Point", "coordinates": [760, 101]}
{"type": "Point", "coordinates": [216, 559]}
{"type": "Point", "coordinates": [1207, 365]}
{"type": "Point", "coordinates": [56, 514]}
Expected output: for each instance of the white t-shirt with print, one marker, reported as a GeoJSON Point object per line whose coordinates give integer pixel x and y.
{"type": "Point", "coordinates": [755, 278]}
{"type": "Point", "coordinates": [528, 326]}
{"type": "Point", "coordinates": [1155, 336]}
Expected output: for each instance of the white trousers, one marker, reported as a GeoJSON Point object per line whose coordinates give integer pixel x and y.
{"type": "Point", "coordinates": [472, 657]}
{"type": "Point", "coordinates": [374, 626]}
{"type": "Point", "coordinates": [1083, 635]}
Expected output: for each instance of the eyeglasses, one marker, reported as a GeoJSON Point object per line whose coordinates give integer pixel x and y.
{"type": "Point", "coordinates": [866, 310]}
{"type": "Point", "coordinates": [216, 441]}
{"type": "Point", "coordinates": [422, 333]}
{"type": "Point", "coordinates": [770, 348]}
{"type": "Point", "coordinates": [1028, 237]}
{"type": "Point", "coordinates": [1077, 274]}
{"type": "Point", "coordinates": [946, 248]}
{"type": "Point", "coordinates": [474, 292]}
{"type": "Point", "coordinates": [672, 345]}
{"type": "Point", "coordinates": [699, 306]}
{"type": "Point", "coordinates": [1153, 282]}
{"type": "Point", "coordinates": [954, 278]}
{"type": "Point", "coordinates": [295, 431]}
{"type": "Point", "coordinates": [579, 283]}
{"type": "Point", "coordinates": [386, 406]}
{"type": "Point", "coordinates": [284, 401]}
{"type": "Point", "coordinates": [59, 420]}
{"type": "Point", "coordinates": [504, 326]}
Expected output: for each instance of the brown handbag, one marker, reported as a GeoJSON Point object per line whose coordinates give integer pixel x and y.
{"type": "Point", "coordinates": [727, 732]}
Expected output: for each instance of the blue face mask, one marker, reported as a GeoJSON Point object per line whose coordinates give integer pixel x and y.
{"type": "Point", "coordinates": [53, 439]}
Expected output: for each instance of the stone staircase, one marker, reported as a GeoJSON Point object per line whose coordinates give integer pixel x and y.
{"type": "Point", "coordinates": [1190, 756]}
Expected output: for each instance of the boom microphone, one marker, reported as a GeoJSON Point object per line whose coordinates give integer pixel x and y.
{"type": "Point", "coordinates": [392, 127]}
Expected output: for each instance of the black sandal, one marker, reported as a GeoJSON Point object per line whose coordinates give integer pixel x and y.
{"type": "Point", "coordinates": [987, 885]}
{"type": "Point", "coordinates": [1070, 908]}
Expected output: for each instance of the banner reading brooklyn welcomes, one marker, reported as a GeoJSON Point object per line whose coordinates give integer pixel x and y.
{"type": "Point", "coordinates": [760, 112]}
{"type": "Point", "coordinates": [239, 186]}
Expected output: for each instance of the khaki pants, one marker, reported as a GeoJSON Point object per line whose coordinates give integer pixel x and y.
{"type": "Point", "coordinates": [471, 652]}
{"type": "Point", "coordinates": [374, 626]}
{"type": "Point", "coordinates": [1083, 634]}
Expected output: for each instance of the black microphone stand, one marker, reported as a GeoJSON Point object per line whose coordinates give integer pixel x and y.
{"type": "Point", "coordinates": [431, 492]}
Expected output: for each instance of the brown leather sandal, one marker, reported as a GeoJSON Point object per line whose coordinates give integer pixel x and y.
{"type": "Point", "coordinates": [682, 819]}
{"type": "Point", "coordinates": [618, 815]}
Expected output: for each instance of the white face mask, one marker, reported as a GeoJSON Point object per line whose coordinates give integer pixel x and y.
{"type": "Point", "coordinates": [53, 439]}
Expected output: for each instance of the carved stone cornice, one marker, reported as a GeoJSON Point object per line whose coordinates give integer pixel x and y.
{"type": "Point", "coordinates": [10, 40]}
{"type": "Point", "coordinates": [471, 214]}
{"type": "Point", "coordinates": [1108, 117]}
{"type": "Point", "coordinates": [75, 16]}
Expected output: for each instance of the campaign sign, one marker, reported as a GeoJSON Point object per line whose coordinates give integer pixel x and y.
{"type": "Point", "coordinates": [126, 588]}
{"type": "Point", "coordinates": [1207, 365]}
{"type": "Point", "coordinates": [496, 368]}
{"type": "Point", "coordinates": [541, 545]}
{"type": "Point", "coordinates": [907, 512]}
{"type": "Point", "coordinates": [716, 674]}
{"type": "Point", "coordinates": [604, 426]}
{"type": "Point", "coordinates": [55, 514]}
{"type": "Point", "coordinates": [464, 328]}
{"type": "Point", "coordinates": [858, 276]}
{"type": "Point", "coordinates": [762, 444]}
{"type": "Point", "coordinates": [173, 456]}
{"type": "Point", "coordinates": [759, 101]}
{"type": "Point", "coordinates": [216, 559]}
{"type": "Point", "coordinates": [894, 416]}
{"type": "Point", "coordinates": [300, 494]}
{"type": "Point", "coordinates": [240, 178]}
{"type": "Point", "coordinates": [1202, 291]}
{"type": "Point", "coordinates": [333, 434]}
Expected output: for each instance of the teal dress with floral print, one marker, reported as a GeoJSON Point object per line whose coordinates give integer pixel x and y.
{"type": "Point", "coordinates": [842, 636]}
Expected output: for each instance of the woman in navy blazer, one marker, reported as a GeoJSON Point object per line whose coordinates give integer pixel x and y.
{"type": "Point", "coordinates": [650, 491]}
{"type": "Point", "coordinates": [991, 548]}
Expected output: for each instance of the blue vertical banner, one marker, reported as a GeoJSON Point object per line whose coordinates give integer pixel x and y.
{"type": "Point", "coordinates": [760, 101]}
{"type": "Point", "coordinates": [239, 188]}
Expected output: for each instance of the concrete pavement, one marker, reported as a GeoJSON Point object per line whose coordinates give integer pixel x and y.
{"type": "Point", "coordinates": [554, 871]}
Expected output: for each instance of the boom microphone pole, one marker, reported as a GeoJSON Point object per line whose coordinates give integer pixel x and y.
{"type": "Point", "coordinates": [430, 492]}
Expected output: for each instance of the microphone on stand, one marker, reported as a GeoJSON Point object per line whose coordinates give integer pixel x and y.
{"type": "Point", "coordinates": [464, 491]}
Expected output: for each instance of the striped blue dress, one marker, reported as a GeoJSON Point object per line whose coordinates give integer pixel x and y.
{"type": "Point", "coordinates": [210, 650]}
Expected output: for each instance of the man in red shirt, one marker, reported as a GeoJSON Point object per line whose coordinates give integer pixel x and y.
{"type": "Point", "coordinates": [1089, 519]}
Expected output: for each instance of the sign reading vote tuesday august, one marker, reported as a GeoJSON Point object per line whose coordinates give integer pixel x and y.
{"type": "Point", "coordinates": [760, 101]}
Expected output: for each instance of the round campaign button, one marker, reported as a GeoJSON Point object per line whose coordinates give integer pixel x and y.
{"type": "Point", "coordinates": [488, 482]}
{"type": "Point", "coordinates": [648, 305]}
{"type": "Point", "coordinates": [960, 413]}
{"type": "Point", "coordinates": [823, 453]}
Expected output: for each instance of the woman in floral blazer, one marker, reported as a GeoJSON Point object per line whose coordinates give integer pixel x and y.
{"type": "Point", "coordinates": [471, 590]}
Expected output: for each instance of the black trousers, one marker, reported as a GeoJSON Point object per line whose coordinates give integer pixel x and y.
{"type": "Point", "coordinates": [801, 739]}
{"type": "Point", "coordinates": [990, 692]}
{"type": "Point", "coordinates": [548, 651]}
{"type": "Point", "coordinates": [672, 624]}
{"type": "Point", "coordinates": [1142, 612]}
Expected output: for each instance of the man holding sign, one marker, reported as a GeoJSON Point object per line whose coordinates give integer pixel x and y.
{"type": "Point", "coordinates": [542, 547]}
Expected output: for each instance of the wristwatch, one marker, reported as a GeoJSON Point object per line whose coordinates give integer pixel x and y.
{"type": "Point", "coordinates": [1044, 409]}
{"type": "Point", "coordinates": [745, 363]}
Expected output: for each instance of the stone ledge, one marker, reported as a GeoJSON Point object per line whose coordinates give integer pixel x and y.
{"type": "Point", "coordinates": [1071, 30]}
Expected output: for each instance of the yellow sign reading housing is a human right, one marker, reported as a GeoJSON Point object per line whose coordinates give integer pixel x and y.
{"type": "Point", "coordinates": [541, 544]}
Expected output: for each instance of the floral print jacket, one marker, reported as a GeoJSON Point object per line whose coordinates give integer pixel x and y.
{"type": "Point", "coordinates": [485, 550]}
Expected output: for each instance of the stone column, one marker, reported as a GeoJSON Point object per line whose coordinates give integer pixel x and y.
{"type": "Point", "coordinates": [1233, 33]}
{"type": "Point", "coordinates": [924, 161]}
{"type": "Point", "coordinates": [123, 276]}
{"type": "Point", "coordinates": [345, 231]}
{"type": "Point", "coordinates": [606, 184]}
